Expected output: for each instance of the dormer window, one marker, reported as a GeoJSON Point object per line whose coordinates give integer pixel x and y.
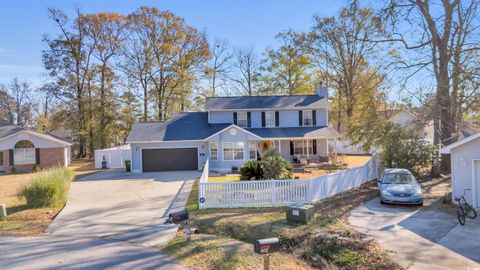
{"type": "Point", "coordinates": [307, 118]}
{"type": "Point", "coordinates": [269, 119]}
{"type": "Point", "coordinates": [242, 119]}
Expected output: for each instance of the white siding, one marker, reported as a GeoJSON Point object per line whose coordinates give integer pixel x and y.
{"type": "Point", "coordinates": [288, 118]}
{"type": "Point", "coordinates": [221, 117]}
{"type": "Point", "coordinates": [462, 169]}
{"type": "Point", "coordinates": [38, 141]}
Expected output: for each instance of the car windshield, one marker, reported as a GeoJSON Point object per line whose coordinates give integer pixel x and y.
{"type": "Point", "coordinates": [398, 178]}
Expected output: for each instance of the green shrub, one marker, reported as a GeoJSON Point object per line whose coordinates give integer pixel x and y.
{"type": "Point", "coordinates": [275, 166]}
{"type": "Point", "coordinates": [48, 188]}
{"type": "Point", "coordinates": [251, 170]}
{"type": "Point", "coordinates": [37, 168]}
{"type": "Point", "coordinates": [13, 170]}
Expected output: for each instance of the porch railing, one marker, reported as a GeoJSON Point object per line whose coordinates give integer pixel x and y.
{"type": "Point", "coordinates": [283, 192]}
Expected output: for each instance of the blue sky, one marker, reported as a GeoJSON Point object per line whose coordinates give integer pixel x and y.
{"type": "Point", "coordinates": [242, 23]}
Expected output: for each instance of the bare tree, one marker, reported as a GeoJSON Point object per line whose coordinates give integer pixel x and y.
{"type": "Point", "coordinates": [443, 36]}
{"type": "Point", "coordinates": [219, 66]}
{"type": "Point", "coordinates": [15, 102]}
{"type": "Point", "coordinates": [246, 71]}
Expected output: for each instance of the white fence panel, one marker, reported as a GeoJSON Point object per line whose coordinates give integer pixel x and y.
{"type": "Point", "coordinates": [115, 157]}
{"type": "Point", "coordinates": [283, 192]}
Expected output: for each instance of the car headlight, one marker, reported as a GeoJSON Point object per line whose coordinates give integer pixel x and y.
{"type": "Point", "coordinates": [386, 193]}
{"type": "Point", "coordinates": [418, 192]}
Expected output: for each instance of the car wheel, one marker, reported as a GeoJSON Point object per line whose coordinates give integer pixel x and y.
{"type": "Point", "coordinates": [420, 204]}
{"type": "Point", "coordinates": [382, 202]}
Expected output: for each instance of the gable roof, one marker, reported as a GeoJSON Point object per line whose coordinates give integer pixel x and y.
{"type": "Point", "coordinates": [187, 126]}
{"type": "Point", "coordinates": [10, 130]}
{"type": "Point", "coordinates": [447, 149]}
{"type": "Point", "coordinates": [265, 102]}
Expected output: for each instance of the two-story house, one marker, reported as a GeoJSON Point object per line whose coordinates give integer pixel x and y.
{"type": "Point", "coordinates": [233, 130]}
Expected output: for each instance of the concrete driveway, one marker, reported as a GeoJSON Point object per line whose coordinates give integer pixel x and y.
{"type": "Point", "coordinates": [50, 252]}
{"type": "Point", "coordinates": [427, 237]}
{"type": "Point", "coordinates": [121, 206]}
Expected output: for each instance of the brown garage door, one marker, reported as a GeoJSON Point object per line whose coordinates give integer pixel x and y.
{"type": "Point", "coordinates": [171, 159]}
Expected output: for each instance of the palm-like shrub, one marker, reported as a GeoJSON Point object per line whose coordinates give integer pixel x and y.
{"type": "Point", "coordinates": [275, 166]}
{"type": "Point", "coordinates": [48, 188]}
{"type": "Point", "coordinates": [251, 170]}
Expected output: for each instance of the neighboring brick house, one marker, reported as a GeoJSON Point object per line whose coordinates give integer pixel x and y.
{"type": "Point", "coordinates": [22, 148]}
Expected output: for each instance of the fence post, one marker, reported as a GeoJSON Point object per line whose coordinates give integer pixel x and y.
{"type": "Point", "coordinates": [274, 195]}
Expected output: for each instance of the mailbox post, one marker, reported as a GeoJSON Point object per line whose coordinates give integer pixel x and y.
{"type": "Point", "coordinates": [181, 217]}
{"type": "Point", "coordinates": [266, 247]}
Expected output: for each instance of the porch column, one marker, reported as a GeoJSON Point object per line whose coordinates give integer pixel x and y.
{"type": "Point", "coordinates": [279, 147]}
{"type": "Point", "coordinates": [308, 152]}
{"type": "Point", "coordinates": [335, 150]}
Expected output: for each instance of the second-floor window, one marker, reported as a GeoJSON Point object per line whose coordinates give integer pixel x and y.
{"type": "Point", "coordinates": [269, 119]}
{"type": "Point", "coordinates": [307, 118]}
{"type": "Point", "coordinates": [242, 119]}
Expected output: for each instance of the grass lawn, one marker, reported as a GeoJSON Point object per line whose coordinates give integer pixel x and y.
{"type": "Point", "coordinates": [224, 178]}
{"type": "Point", "coordinates": [21, 220]}
{"type": "Point", "coordinates": [328, 242]}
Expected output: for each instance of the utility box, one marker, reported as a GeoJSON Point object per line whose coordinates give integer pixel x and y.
{"type": "Point", "coordinates": [178, 217]}
{"type": "Point", "coordinates": [302, 213]}
{"type": "Point", "coordinates": [267, 245]}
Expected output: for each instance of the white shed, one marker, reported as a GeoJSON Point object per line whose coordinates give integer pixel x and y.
{"type": "Point", "coordinates": [465, 163]}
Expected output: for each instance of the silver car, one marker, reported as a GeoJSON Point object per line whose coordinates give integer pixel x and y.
{"type": "Point", "coordinates": [398, 186]}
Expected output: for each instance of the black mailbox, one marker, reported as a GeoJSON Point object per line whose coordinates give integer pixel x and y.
{"type": "Point", "coordinates": [178, 217]}
{"type": "Point", "coordinates": [267, 245]}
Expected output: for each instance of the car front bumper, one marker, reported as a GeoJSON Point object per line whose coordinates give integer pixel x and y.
{"type": "Point", "coordinates": [401, 200]}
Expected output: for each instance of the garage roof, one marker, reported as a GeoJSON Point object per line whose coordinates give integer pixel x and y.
{"type": "Point", "coordinates": [183, 127]}
{"type": "Point", "coordinates": [448, 148]}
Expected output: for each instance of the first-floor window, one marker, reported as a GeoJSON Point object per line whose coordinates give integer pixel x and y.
{"type": "Point", "coordinates": [233, 151]}
{"type": "Point", "coordinates": [24, 153]}
{"type": "Point", "coordinates": [252, 150]}
{"type": "Point", "coordinates": [213, 151]}
{"type": "Point", "coordinates": [301, 148]}
{"type": "Point", "coordinates": [23, 156]}
{"type": "Point", "coordinates": [1, 158]}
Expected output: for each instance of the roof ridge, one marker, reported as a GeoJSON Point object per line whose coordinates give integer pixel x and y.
{"type": "Point", "coordinates": [266, 96]}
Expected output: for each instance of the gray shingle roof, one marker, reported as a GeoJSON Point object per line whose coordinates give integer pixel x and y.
{"type": "Point", "coordinates": [183, 126]}
{"type": "Point", "coordinates": [295, 132]}
{"type": "Point", "coordinates": [9, 130]}
{"type": "Point", "coordinates": [265, 102]}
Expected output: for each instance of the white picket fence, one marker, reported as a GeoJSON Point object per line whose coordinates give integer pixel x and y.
{"type": "Point", "coordinates": [283, 192]}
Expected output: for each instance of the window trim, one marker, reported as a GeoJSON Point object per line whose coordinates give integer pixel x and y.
{"type": "Point", "coordinates": [233, 151]}
{"type": "Point", "coordinates": [240, 119]}
{"type": "Point", "coordinates": [210, 150]}
{"type": "Point", "coordinates": [266, 119]}
{"type": "Point", "coordinates": [311, 117]}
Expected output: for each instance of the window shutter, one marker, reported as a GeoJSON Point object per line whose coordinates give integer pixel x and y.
{"type": "Point", "coordinates": [235, 118]}
{"type": "Point", "coordinates": [291, 148]}
{"type": "Point", "coordinates": [300, 118]}
{"type": "Point", "coordinates": [314, 146]}
{"type": "Point", "coordinates": [314, 117]}
{"type": "Point", "coordinates": [263, 119]}
{"type": "Point", "coordinates": [10, 157]}
{"type": "Point", "coordinates": [277, 119]}
{"type": "Point", "coordinates": [249, 119]}
{"type": "Point", "coordinates": [37, 155]}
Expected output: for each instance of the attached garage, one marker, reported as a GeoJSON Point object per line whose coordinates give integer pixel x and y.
{"type": "Point", "coordinates": [169, 159]}
{"type": "Point", "coordinates": [465, 164]}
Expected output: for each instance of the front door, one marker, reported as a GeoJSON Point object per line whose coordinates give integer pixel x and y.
{"type": "Point", "coordinates": [264, 147]}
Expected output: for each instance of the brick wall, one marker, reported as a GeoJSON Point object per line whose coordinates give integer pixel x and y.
{"type": "Point", "coordinates": [49, 157]}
